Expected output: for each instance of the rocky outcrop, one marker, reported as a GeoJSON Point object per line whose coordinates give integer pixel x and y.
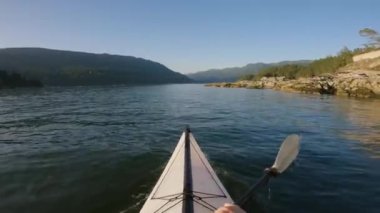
{"type": "Point", "coordinates": [366, 56]}
{"type": "Point", "coordinates": [365, 64]}
{"type": "Point", "coordinates": [358, 83]}
{"type": "Point", "coordinates": [353, 83]}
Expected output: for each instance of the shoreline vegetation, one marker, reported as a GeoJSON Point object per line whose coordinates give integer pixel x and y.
{"type": "Point", "coordinates": [353, 73]}
{"type": "Point", "coordinates": [14, 80]}
{"type": "Point", "coordinates": [349, 73]}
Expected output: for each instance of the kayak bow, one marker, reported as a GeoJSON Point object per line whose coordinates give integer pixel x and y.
{"type": "Point", "coordinates": [188, 183]}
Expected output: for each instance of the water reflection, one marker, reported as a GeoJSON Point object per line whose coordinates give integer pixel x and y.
{"type": "Point", "coordinates": [364, 115]}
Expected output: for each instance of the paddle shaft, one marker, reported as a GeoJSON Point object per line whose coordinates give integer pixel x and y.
{"type": "Point", "coordinates": [262, 181]}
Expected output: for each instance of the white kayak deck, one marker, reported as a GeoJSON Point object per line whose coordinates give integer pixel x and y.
{"type": "Point", "coordinates": [205, 192]}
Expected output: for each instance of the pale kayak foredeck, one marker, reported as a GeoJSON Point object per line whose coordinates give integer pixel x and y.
{"type": "Point", "coordinates": [188, 183]}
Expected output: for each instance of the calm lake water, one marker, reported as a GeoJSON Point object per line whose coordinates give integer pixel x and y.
{"type": "Point", "coordinates": [101, 149]}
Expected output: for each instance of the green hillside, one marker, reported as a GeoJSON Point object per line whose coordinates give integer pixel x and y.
{"type": "Point", "coordinates": [328, 64]}
{"type": "Point", "coordinates": [234, 73]}
{"type": "Point", "coordinates": [57, 67]}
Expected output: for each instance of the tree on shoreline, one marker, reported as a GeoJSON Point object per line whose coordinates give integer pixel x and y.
{"type": "Point", "coordinates": [372, 35]}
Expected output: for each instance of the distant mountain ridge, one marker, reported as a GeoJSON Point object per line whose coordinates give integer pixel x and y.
{"type": "Point", "coordinates": [59, 67]}
{"type": "Point", "coordinates": [232, 74]}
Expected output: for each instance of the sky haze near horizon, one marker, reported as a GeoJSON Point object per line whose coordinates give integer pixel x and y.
{"type": "Point", "coordinates": [190, 36]}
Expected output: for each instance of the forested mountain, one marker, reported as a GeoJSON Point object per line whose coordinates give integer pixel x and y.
{"type": "Point", "coordinates": [234, 73]}
{"type": "Point", "coordinates": [58, 67]}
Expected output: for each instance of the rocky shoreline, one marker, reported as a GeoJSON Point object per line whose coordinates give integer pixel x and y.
{"type": "Point", "coordinates": [352, 83]}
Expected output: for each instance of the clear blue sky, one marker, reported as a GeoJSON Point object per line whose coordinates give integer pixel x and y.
{"type": "Point", "coordinates": [193, 35]}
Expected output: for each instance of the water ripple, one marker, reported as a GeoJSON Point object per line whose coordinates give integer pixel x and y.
{"type": "Point", "coordinates": [101, 149]}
